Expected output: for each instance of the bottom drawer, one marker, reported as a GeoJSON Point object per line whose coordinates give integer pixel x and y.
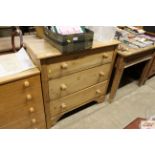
{"type": "Point", "coordinates": [77, 99]}
{"type": "Point", "coordinates": [37, 121]}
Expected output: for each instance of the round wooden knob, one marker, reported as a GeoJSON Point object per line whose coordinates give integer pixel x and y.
{"type": "Point", "coordinates": [33, 120]}
{"type": "Point", "coordinates": [31, 109]}
{"type": "Point", "coordinates": [105, 55]}
{"type": "Point", "coordinates": [64, 66]}
{"type": "Point", "coordinates": [63, 87]}
{"type": "Point", "coordinates": [63, 105]}
{"type": "Point", "coordinates": [98, 91]}
{"type": "Point", "coordinates": [29, 97]}
{"type": "Point", "coordinates": [102, 73]}
{"type": "Point", "coordinates": [49, 71]}
{"type": "Point", "coordinates": [26, 84]}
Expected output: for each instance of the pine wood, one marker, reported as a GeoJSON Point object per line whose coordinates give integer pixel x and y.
{"type": "Point", "coordinates": [58, 69]}
{"type": "Point", "coordinates": [72, 101]}
{"type": "Point", "coordinates": [21, 101]}
{"type": "Point", "coordinates": [152, 67]}
{"type": "Point", "coordinates": [118, 74]}
{"type": "Point", "coordinates": [83, 72]}
{"type": "Point", "coordinates": [129, 58]}
{"type": "Point", "coordinates": [43, 50]}
{"type": "Point", "coordinates": [78, 81]}
{"type": "Point", "coordinates": [26, 122]}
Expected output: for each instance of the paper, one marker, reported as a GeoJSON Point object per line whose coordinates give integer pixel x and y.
{"type": "Point", "coordinates": [103, 33]}
{"type": "Point", "coordinates": [148, 124]}
{"type": "Point", "coordinates": [66, 30]}
{"type": "Point", "coordinates": [15, 63]}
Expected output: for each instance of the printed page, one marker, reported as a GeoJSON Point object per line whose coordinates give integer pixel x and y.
{"type": "Point", "coordinates": [15, 63]}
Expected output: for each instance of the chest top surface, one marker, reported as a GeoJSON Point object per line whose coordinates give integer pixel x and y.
{"type": "Point", "coordinates": [18, 76]}
{"type": "Point", "coordinates": [41, 49]}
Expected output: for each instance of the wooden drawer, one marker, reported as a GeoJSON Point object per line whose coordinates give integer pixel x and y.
{"type": "Point", "coordinates": [75, 100]}
{"type": "Point", "coordinates": [20, 93]}
{"type": "Point", "coordinates": [37, 121]}
{"type": "Point", "coordinates": [28, 111]}
{"type": "Point", "coordinates": [21, 100]}
{"type": "Point", "coordinates": [75, 82]}
{"type": "Point", "coordinates": [78, 64]}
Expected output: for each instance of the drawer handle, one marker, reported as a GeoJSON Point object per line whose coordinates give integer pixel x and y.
{"type": "Point", "coordinates": [49, 71]}
{"type": "Point", "coordinates": [63, 106]}
{"type": "Point", "coordinates": [102, 73]}
{"type": "Point", "coordinates": [26, 84]}
{"type": "Point", "coordinates": [64, 65]}
{"type": "Point", "coordinates": [98, 91]}
{"type": "Point", "coordinates": [29, 97]}
{"type": "Point", "coordinates": [105, 55]}
{"type": "Point", "coordinates": [33, 120]}
{"type": "Point", "coordinates": [63, 87]}
{"type": "Point", "coordinates": [31, 109]}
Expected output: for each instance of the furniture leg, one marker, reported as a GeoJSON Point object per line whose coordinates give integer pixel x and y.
{"type": "Point", "coordinates": [120, 64]}
{"type": "Point", "coordinates": [145, 72]}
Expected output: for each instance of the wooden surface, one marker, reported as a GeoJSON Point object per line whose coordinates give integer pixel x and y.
{"type": "Point", "coordinates": [76, 64]}
{"type": "Point", "coordinates": [62, 105]}
{"type": "Point", "coordinates": [133, 57]}
{"type": "Point", "coordinates": [75, 82]}
{"type": "Point", "coordinates": [14, 77]}
{"type": "Point", "coordinates": [5, 44]}
{"type": "Point", "coordinates": [73, 77]}
{"type": "Point", "coordinates": [152, 67]}
{"type": "Point", "coordinates": [21, 102]}
{"type": "Point", "coordinates": [132, 51]}
{"type": "Point", "coordinates": [42, 49]}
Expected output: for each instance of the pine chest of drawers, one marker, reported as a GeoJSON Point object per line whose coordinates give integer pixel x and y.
{"type": "Point", "coordinates": [21, 103]}
{"type": "Point", "coordinates": [72, 80]}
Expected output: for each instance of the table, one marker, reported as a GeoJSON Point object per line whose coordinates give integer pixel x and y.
{"type": "Point", "coordinates": [129, 58]}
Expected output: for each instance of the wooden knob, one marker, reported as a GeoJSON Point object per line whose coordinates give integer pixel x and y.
{"type": "Point", "coordinates": [31, 109]}
{"type": "Point", "coordinates": [26, 84]}
{"type": "Point", "coordinates": [64, 65]}
{"type": "Point", "coordinates": [105, 55]}
{"type": "Point", "coordinates": [102, 73]}
{"type": "Point", "coordinates": [49, 71]}
{"type": "Point", "coordinates": [33, 120]}
{"type": "Point", "coordinates": [63, 87]}
{"type": "Point", "coordinates": [98, 91]}
{"type": "Point", "coordinates": [29, 97]}
{"type": "Point", "coordinates": [63, 105]}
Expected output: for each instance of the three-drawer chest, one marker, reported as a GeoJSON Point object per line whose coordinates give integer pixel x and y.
{"type": "Point", "coordinates": [71, 80]}
{"type": "Point", "coordinates": [21, 103]}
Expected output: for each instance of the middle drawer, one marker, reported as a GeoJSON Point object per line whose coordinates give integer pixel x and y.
{"type": "Point", "coordinates": [72, 83]}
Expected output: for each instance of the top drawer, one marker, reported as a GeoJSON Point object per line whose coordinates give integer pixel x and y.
{"type": "Point", "coordinates": [78, 64]}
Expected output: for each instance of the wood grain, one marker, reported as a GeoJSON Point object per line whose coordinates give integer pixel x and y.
{"type": "Point", "coordinates": [59, 69]}
{"type": "Point", "coordinates": [77, 99]}
{"type": "Point", "coordinates": [78, 81]}
{"type": "Point", "coordinates": [21, 101]}
{"type": "Point", "coordinates": [79, 78]}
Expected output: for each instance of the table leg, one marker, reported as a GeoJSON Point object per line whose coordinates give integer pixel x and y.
{"type": "Point", "coordinates": [145, 72]}
{"type": "Point", "coordinates": [120, 65]}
